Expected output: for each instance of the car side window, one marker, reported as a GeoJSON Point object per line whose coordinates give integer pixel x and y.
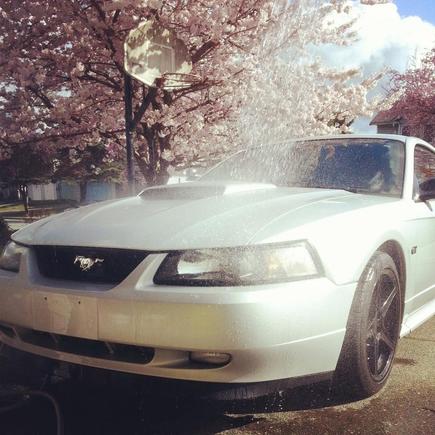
{"type": "Point", "coordinates": [424, 169]}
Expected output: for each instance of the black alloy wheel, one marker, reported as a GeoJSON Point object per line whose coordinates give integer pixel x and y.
{"type": "Point", "coordinates": [383, 324]}
{"type": "Point", "coordinates": [372, 330]}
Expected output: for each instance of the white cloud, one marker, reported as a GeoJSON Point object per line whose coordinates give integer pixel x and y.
{"type": "Point", "coordinates": [385, 40]}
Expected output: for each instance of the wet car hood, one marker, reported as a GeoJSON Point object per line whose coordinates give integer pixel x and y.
{"type": "Point", "coordinates": [193, 215]}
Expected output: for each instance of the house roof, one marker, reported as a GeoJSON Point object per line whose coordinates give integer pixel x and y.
{"type": "Point", "coordinates": [387, 116]}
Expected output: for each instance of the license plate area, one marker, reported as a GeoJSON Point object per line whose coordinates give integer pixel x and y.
{"type": "Point", "coordinates": [65, 314]}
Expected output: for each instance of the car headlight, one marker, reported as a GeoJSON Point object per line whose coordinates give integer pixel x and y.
{"type": "Point", "coordinates": [11, 257]}
{"type": "Point", "coordinates": [239, 266]}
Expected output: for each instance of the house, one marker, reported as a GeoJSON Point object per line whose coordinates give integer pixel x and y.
{"type": "Point", "coordinates": [64, 190]}
{"type": "Point", "coordinates": [390, 122]}
{"type": "Point", "coordinates": [95, 191]}
{"type": "Point", "coordinates": [42, 192]}
{"type": "Point", "coordinates": [7, 192]}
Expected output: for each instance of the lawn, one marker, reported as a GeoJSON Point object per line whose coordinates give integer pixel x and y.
{"type": "Point", "coordinates": [16, 209]}
{"type": "Point", "coordinates": [11, 208]}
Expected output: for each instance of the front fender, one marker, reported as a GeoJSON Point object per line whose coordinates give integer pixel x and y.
{"type": "Point", "coordinates": [346, 241]}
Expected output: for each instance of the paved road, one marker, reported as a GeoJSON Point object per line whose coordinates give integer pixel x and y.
{"type": "Point", "coordinates": [405, 407]}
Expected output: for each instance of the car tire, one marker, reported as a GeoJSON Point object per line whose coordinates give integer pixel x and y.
{"type": "Point", "coordinates": [372, 330]}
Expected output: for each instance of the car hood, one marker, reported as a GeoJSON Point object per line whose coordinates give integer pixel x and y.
{"type": "Point", "coordinates": [192, 215]}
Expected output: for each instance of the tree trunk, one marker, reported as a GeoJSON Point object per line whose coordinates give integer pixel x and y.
{"type": "Point", "coordinates": [83, 190]}
{"type": "Point", "coordinates": [162, 175]}
{"type": "Point", "coordinates": [149, 159]}
{"type": "Point", "coordinates": [24, 194]}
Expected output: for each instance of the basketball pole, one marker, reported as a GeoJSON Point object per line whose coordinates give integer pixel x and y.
{"type": "Point", "coordinates": [139, 47]}
{"type": "Point", "coordinates": [128, 105]}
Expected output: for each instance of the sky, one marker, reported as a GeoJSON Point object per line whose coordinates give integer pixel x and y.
{"type": "Point", "coordinates": [421, 8]}
{"type": "Point", "coordinates": [394, 35]}
{"type": "Point", "coordinates": [388, 37]}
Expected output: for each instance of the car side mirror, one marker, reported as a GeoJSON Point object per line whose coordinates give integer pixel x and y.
{"type": "Point", "coordinates": [427, 190]}
{"type": "Point", "coordinates": [426, 195]}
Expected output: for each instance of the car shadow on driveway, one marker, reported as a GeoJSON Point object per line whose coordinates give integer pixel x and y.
{"type": "Point", "coordinates": [101, 402]}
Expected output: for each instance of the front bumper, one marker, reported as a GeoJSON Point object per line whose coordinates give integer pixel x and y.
{"type": "Point", "coordinates": [272, 332]}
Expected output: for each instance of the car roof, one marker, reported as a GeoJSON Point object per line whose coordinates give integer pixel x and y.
{"type": "Point", "coordinates": [349, 136]}
{"type": "Point", "coordinates": [408, 140]}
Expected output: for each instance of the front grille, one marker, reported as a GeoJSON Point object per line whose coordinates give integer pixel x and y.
{"type": "Point", "coordinates": [86, 347]}
{"type": "Point", "coordinates": [92, 265]}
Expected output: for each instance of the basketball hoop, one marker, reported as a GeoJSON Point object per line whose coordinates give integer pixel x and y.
{"type": "Point", "coordinates": [152, 52]}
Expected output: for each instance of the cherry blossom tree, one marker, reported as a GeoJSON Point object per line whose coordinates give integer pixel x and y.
{"type": "Point", "coordinates": [62, 77]}
{"type": "Point", "coordinates": [414, 95]}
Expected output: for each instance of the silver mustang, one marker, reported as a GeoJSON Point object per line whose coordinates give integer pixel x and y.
{"type": "Point", "coordinates": [294, 262]}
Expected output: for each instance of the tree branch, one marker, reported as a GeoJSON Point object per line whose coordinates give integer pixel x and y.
{"type": "Point", "coordinates": [41, 96]}
{"type": "Point", "coordinates": [203, 50]}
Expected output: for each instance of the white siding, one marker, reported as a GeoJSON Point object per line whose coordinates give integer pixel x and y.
{"type": "Point", "coordinates": [42, 192]}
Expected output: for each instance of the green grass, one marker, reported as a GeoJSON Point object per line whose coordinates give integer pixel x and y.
{"type": "Point", "coordinates": [17, 208]}
{"type": "Point", "coordinates": [11, 208]}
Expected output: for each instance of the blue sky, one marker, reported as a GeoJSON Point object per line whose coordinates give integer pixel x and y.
{"type": "Point", "coordinates": [422, 8]}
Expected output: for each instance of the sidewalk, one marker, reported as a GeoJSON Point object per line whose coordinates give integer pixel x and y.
{"type": "Point", "coordinates": [16, 224]}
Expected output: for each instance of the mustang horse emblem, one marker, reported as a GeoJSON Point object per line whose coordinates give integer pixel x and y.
{"type": "Point", "coordinates": [86, 263]}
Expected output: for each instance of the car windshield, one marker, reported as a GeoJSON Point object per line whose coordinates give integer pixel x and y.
{"type": "Point", "coordinates": [359, 165]}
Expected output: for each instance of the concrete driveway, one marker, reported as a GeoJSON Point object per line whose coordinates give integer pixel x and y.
{"type": "Point", "coordinates": [406, 406]}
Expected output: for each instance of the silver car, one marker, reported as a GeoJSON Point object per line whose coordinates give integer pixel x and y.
{"type": "Point", "coordinates": [285, 265]}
